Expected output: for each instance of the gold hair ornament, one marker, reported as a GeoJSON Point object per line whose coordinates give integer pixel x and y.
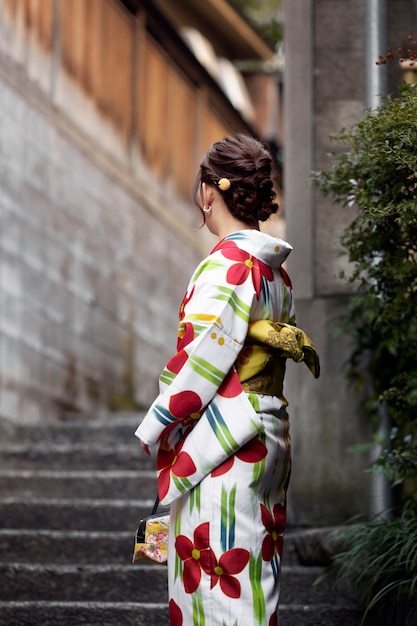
{"type": "Point", "coordinates": [224, 184]}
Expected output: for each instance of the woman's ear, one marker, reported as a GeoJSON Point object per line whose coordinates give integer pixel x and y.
{"type": "Point", "coordinates": [204, 192]}
{"type": "Point", "coordinates": [207, 194]}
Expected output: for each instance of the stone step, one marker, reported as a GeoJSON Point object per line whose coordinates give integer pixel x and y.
{"type": "Point", "coordinates": [121, 583]}
{"type": "Point", "coordinates": [80, 456]}
{"type": "Point", "coordinates": [147, 614]}
{"type": "Point", "coordinates": [66, 546]}
{"type": "Point", "coordinates": [104, 430]}
{"type": "Point", "coordinates": [94, 484]}
{"type": "Point", "coordinates": [72, 514]}
{"type": "Point", "coordinates": [318, 615]}
{"type": "Point", "coordinates": [87, 583]}
{"type": "Point", "coordinates": [86, 613]}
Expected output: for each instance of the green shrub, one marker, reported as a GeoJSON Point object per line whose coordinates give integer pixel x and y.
{"type": "Point", "coordinates": [378, 174]}
{"type": "Point", "coordinates": [382, 555]}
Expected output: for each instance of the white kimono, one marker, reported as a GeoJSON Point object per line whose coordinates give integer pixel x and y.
{"type": "Point", "coordinates": [224, 452]}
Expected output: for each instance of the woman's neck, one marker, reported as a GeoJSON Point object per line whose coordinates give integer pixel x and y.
{"type": "Point", "coordinates": [232, 225]}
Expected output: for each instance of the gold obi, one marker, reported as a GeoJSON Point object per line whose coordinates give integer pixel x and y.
{"type": "Point", "coordinates": [261, 362]}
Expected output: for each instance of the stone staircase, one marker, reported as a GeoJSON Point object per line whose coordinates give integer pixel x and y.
{"type": "Point", "coordinates": [71, 494]}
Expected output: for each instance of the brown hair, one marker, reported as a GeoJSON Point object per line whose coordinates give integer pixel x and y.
{"type": "Point", "coordinates": [248, 165]}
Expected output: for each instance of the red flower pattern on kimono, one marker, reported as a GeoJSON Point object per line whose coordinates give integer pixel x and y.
{"type": "Point", "coordinates": [231, 386]}
{"type": "Point", "coordinates": [175, 364]}
{"type": "Point", "coordinates": [251, 452]}
{"type": "Point", "coordinates": [185, 404]}
{"type": "Point", "coordinates": [175, 461]}
{"type": "Point", "coordinates": [245, 264]}
{"type": "Point", "coordinates": [196, 555]}
{"type": "Point", "coordinates": [175, 614]}
{"type": "Point", "coordinates": [285, 277]}
{"type": "Point", "coordinates": [273, 620]}
{"type": "Point", "coordinates": [275, 525]}
{"type": "Point", "coordinates": [184, 303]}
{"type": "Point", "coordinates": [231, 562]}
{"type": "Point", "coordinates": [185, 336]}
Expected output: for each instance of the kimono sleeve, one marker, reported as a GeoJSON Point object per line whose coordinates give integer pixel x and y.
{"type": "Point", "coordinates": [215, 316]}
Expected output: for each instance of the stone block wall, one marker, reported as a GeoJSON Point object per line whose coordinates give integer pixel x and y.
{"type": "Point", "coordinates": [90, 273]}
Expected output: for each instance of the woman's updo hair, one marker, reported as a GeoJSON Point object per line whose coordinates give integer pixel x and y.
{"type": "Point", "coordinates": [248, 165]}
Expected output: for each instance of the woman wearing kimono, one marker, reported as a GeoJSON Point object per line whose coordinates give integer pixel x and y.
{"type": "Point", "coordinates": [220, 420]}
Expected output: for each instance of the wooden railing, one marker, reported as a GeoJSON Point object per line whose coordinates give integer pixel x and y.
{"type": "Point", "coordinates": [126, 80]}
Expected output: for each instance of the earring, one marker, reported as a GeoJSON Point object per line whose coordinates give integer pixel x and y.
{"type": "Point", "coordinates": [207, 209]}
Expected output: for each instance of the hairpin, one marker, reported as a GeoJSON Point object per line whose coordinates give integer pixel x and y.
{"type": "Point", "coordinates": [224, 184]}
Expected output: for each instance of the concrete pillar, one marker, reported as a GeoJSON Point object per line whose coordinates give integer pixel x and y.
{"type": "Point", "coordinates": [322, 94]}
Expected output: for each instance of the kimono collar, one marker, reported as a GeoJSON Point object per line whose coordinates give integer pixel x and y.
{"type": "Point", "coordinates": [270, 250]}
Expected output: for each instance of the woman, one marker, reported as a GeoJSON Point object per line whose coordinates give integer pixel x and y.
{"type": "Point", "coordinates": [220, 419]}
